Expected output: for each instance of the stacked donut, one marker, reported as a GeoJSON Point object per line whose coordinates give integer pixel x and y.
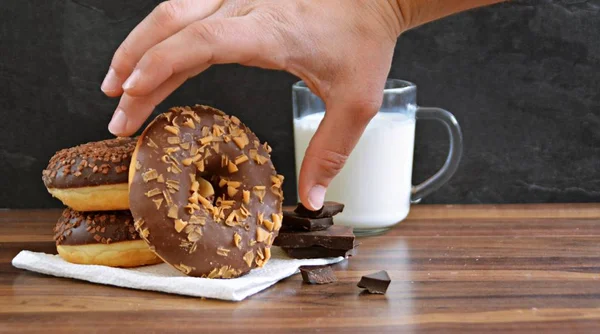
{"type": "Point", "coordinates": [204, 194]}
{"type": "Point", "coordinates": [97, 227]}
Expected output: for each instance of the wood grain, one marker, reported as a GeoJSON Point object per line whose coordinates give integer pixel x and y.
{"type": "Point", "coordinates": [522, 211]}
{"type": "Point", "coordinates": [463, 269]}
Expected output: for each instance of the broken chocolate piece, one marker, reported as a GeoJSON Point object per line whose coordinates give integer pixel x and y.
{"type": "Point", "coordinates": [294, 222]}
{"type": "Point", "coordinates": [329, 209]}
{"type": "Point", "coordinates": [317, 274]}
{"type": "Point", "coordinates": [375, 283]}
{"type": "Point", "coordinates": [317, 252]}
{"type": "Point", "coordinates": [335, 237]}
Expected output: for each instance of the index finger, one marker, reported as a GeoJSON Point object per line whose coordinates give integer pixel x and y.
{"type": "Point", "coordinates": [166, 19]}
{"type": "Point", "coordinates": [350, 108]}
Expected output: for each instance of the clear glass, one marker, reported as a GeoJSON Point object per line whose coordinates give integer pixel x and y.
{"type": "Point", "coordinates": [375, 185]}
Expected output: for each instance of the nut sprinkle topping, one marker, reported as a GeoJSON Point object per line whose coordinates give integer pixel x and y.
{"type": "Point", "coordinates": [91, 164]}
{"type": "Point", "coordinates": [105, 227]}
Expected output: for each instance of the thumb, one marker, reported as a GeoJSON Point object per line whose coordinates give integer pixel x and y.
{"type": "Point", "coordinates": [345, 120]}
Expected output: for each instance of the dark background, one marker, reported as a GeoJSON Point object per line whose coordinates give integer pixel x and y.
{"type": "Point", "coordinates": [523, 79]}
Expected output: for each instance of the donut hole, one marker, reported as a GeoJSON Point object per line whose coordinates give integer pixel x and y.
{"type": "Point", "coordinates": [219, 191]}
{"type": "Point", "coordinates": [212, 188]}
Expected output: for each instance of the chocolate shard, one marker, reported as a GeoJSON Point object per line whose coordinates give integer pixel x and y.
{"type": "Point", "coordinates": [317, 252]}
{"type": "Point", "coordinates": [317, 274]}
{"type": "Point", "coordinates": [375, 283]}
{"type": "Point", "coordinates": [329, 209]}
{"type": "Point", "coordinates": [335, 237]}
{"type": "Point", "coordinates": [293, 222]}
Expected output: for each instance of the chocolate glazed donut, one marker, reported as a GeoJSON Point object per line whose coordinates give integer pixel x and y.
{"type": "Point", "coordinates": [103, 237]}
{"type": "Point", "coordinates": [204, 193]}
{"type": "Point", "coordinates": [92, 176]}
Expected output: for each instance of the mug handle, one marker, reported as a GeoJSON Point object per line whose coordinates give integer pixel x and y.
{"type": "Point", "coordinates": [454, 153]}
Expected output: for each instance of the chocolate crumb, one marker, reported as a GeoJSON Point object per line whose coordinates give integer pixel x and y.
{"type": "Point", "coordinates": [377, 283]}
{"type": "Point", "coordinates": [317, 274]}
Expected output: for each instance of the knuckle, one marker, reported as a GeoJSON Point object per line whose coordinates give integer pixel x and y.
{"type": "Point", "coordinates": [276, 15]}
{"type": "Point", "coordinates": [366, 109]}
{"type": "Point", "coordinates": [328, 161]}
{"type": "Point", "coordinates": [165, 13]}
{"type": "Point", "coordinates": [154, 58]}
{"type": "Point", "coordinates": [267, 34]}
{"type": "Point", "coordinates": [123, 59]}
{"type": "Point", "coordinates": [206, 33]}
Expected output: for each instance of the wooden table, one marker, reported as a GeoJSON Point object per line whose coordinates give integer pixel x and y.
{"type": "Point", "coordinates": [457, 269]}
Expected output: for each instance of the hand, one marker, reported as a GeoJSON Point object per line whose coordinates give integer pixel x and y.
{"type": "Point", "coordinates": [341, 49]}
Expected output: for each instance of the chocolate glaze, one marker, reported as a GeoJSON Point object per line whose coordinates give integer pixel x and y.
{"type": "Point", "coordinates": [216, 248]}
{"type": "Point", "coordinates": [76, 228]}
{"type": "Point", "coordinates": [91, 164]}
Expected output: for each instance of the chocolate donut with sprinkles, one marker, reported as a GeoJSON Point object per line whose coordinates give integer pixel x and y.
{"type": "Point", "coordinates": [92, 176]}
{"type": "Point", "coordinates": [204, 193]}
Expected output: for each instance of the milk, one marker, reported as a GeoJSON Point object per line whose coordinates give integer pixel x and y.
{"type": "Point", "coordinates": [375, 184]}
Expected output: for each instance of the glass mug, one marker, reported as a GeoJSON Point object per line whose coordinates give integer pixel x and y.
{"type": "Point", "coordinates": [375, 184]}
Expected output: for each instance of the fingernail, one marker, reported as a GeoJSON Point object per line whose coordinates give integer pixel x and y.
{"type": "Point", "coordinates": [316, 196]}
{"type": "Point", "coordinates": [111, 82]}
{"type": "Point", "coordinates": [118, 122]}
{"type": "Point", "coordinates": [132, 80]}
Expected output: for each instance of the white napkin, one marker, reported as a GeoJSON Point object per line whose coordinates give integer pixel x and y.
{"type": "Point", "coordinates": [164, 278]}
